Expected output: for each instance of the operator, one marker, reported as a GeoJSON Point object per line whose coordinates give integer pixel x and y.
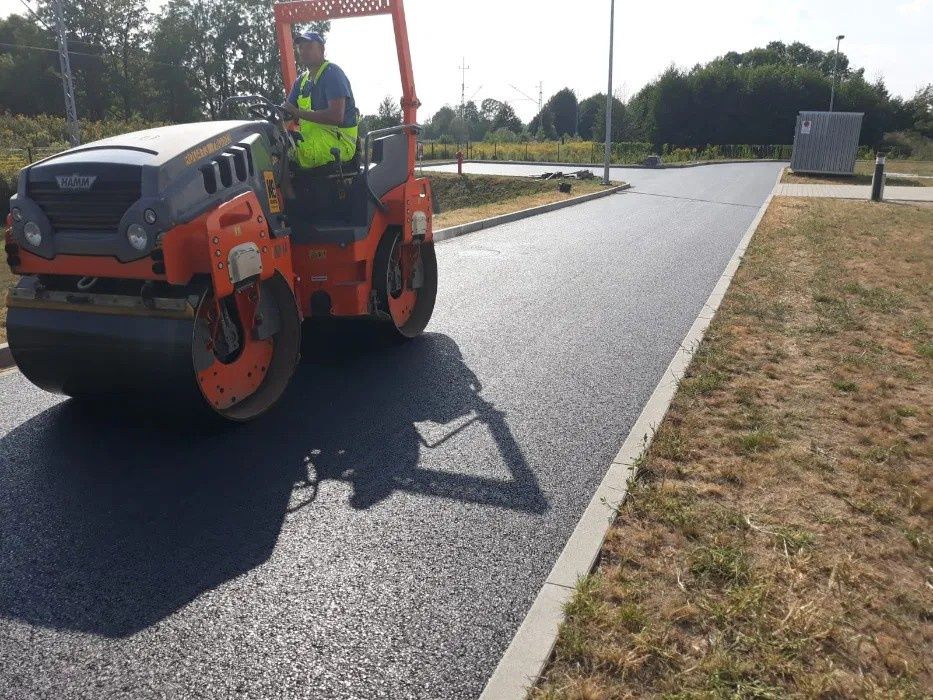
{"type": "Point", "coordinates": [322, 101]}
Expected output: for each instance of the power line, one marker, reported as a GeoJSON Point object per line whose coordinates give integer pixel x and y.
{"type": "Point", "coordinates": [38, 19]}
{"type": "Point", "coordinates": [80, 53]}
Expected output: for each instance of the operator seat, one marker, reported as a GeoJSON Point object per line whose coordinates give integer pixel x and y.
{"type": "Point", "coordinates": [334, 208]}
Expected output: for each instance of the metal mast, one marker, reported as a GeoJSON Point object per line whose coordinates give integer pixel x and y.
{"type": "Point", "coordinates": [612, 21]}
{"type": "Point", "coordinates": [71, 112]}
{"type": "Point", "coordinates": [832, 93]}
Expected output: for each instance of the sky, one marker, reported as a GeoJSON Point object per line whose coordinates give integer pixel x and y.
{"type": "Point", "coordinates": [512, 45]}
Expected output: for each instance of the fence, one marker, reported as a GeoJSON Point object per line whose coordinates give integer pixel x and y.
{"type": "Point", "coordinates": [624, 152]}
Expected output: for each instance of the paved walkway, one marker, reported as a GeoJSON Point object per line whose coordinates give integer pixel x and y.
{"type": "Point", "coordinates": [903, 194]}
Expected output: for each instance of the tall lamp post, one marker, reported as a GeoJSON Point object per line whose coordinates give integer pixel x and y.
{"type": "Point", "coordinates": [612, 22]}
{"type": "Point", "coordinates": [832, 91]}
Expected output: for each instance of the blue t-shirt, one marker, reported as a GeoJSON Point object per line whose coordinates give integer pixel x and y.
{"type": "Point", "coordinates": [332, 84]}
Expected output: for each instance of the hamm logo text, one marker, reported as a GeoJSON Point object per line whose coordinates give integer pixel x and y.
{"type": "Point", "coordinates": [75, 182]}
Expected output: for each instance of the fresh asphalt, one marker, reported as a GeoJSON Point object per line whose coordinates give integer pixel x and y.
{"type": "Point", "coordinates": [384, 530]}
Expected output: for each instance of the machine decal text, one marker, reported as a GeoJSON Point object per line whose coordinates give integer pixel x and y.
{"type": "Point", "coordinates": [195, 154]}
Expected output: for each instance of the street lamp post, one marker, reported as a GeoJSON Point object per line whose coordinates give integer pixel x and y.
{"type": "Point", "coordinates": [612, 18]}
{"type": "Point", "coordinates": [832, 91]}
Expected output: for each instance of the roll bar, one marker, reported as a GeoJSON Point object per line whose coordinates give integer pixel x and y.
{"type": "Point", "coordinates": [294, 12]}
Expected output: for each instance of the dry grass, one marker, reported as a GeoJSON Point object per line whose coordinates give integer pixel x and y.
{"type": "Point", "coordinates": [777, 541]}
{"type": "Point", "coordinates": [911, 167]}
{"type": "Point", "coordinates": [6, 281]}
{"type": "Point", "coordinates": [857, 179]}
{"type": "Point", "coordinates": [466, 215]}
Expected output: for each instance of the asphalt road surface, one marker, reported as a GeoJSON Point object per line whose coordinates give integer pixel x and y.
{"type": "Point", "coordinates": [383, 532]}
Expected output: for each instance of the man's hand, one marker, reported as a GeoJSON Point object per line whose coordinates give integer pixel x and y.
{"type": "Point", "coordinates": [291, 109]}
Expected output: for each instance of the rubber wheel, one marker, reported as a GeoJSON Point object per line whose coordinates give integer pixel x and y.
{"type": "Point", "coordinates": [405, 283]}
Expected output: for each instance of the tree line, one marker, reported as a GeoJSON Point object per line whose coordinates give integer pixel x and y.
{"type": "Point", "coordinates": [181, 63]}
{"type": "Point", "coordinates": [177, 65]}
{"type": "Point", "coordinates": [739, 98]}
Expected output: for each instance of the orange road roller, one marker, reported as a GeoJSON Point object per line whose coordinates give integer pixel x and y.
{"type": "Point", "coordinates": [166, 261]}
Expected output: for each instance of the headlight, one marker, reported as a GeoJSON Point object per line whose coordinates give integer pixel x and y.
{"type": "Point", "coordinates": [33, 234]}
{"type": "Point", "coordinates": [150, 216]}
{"type": "Point", "coordinates": [17, 214]}
{"type": "Point", "coordinates": [137, 236]}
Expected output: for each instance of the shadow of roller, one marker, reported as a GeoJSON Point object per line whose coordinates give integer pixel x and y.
{"type": "Point", "coordinates": [112, 517]}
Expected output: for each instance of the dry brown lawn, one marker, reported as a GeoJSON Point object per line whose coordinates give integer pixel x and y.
{"type": "Point", "coordinates": [777, 541]}
{"type": "Point", "coordinates": [465, 215]}
{"type": "Point", "coordinates": [6, 281]}
{"type": "Point", "coordinates": [911, 167]}
{"type": "Point", "coordinates": [857, 179]}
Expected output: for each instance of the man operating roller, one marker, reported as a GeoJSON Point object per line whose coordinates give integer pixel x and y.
{"type": "Point", "coordinates": [322, 101]}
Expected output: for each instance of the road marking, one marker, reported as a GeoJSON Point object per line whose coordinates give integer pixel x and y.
{"type": "Point", "coordinates": [531, 647]}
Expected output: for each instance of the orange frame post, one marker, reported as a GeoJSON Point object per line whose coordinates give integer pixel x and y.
{"type": "Point", "coordinates": [288, 14]}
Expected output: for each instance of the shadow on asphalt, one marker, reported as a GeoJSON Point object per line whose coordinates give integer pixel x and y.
{"type": "Point", "coordinates": [112, 518]}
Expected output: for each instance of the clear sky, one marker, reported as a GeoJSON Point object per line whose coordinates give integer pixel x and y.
{"type": "Point", "coordinates": [565, 43]}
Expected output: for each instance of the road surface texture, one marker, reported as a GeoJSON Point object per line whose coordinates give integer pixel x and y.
{"type": "Point", "coordinates": [384, 530]}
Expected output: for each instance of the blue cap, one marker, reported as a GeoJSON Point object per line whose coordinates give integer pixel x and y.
{"type": "Point", "coordinates": [309, 36]}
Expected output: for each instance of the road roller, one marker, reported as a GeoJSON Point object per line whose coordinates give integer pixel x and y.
{"type": "Point", "coordinates": [166, 262]}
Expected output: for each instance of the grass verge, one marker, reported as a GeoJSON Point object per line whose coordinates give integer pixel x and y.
{"type": "Point", "coordinates": [910, 167]}
{"type": "Point", "coordinates": [6, 281]}
{"type": "Point", "coordinates": [777, 540]}
{"type": "Point", "coordinates": [857, 179]}
{"type": "Point", "coordinates": [469, 198]}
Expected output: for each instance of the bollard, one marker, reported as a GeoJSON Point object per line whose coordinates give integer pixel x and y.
{"type": "Point", "coordinates": [459, 162]}
{"type": "Point", "coordinates": [877, 180]}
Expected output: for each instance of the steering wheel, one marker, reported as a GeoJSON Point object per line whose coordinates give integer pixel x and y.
{"type": "Point", "coordinates": [268, 111]}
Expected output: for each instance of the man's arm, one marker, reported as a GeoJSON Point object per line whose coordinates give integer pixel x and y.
{"type": "Point", "coordinates": [332, 116]}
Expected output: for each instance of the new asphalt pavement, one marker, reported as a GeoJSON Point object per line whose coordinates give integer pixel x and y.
{"type": "Point", "coordinates": [384, 530]}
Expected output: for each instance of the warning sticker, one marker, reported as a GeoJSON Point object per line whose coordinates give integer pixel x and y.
{"type": "Point", "coordinates": [805, 126]}
{"type": "Point", "coordinates": [275, 205]}
{"type": "Point", "coordinates": [317, 254]}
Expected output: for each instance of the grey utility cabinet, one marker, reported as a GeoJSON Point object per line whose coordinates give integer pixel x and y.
{"type": "Point", "coordinates": [826, 143]}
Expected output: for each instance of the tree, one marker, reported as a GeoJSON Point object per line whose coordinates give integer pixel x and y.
{"type": "Point", "coordinates": [919, 112]}
{"type": "Point", "coordinates": [505, 118]}
{"type": "Point", "coordinates": [489, 108]}
{"type": "Point", "coordinates": [388, 114]}
{"type": "Point", "coordinates": [172, 38]}
{"type": "Point", "coordinates": [41, 90]}
{"type": "Point", "coordinates": [441, 123]}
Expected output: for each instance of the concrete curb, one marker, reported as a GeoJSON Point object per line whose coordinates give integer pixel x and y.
{"type": "Point", "coordinates": [446, 234]}
{"type": "Point", "coordinates": [633, 166]}
{"type": "Point", "coordinates": [533, 643]}
{"type": "Point", "coordinates": [6, 357]}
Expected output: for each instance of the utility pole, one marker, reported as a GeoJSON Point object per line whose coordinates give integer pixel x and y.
{"type": "Point", "coordinates": [463, 68]}
{"type": "Point", "coordinates": [71, 112]}
{"type": "Point", "coordinates": [612, 21]}
{"type": "Point", "coordinates": [832, 91]}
